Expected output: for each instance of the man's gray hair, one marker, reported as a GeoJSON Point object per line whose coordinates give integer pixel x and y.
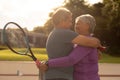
{"type": "Point", "coordinates": [89, 19]}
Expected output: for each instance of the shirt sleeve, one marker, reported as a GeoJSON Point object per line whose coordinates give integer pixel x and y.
{"type": "Point", "coordinates": [74, 57]}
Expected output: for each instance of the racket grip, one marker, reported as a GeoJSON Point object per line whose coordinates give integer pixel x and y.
{"type": "Point", "coordinates": [102, 48]}
{"type": "Point", "coordinates": [38, 63]}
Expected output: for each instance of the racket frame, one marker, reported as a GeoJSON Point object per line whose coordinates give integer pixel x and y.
{"type": "Point", "coordinates": [28, 50]}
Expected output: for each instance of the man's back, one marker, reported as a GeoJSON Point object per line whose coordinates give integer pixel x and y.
{"type": "Point", "coordinates": [58, 45]}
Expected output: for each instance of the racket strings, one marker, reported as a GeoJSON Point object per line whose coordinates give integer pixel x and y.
{"type": "Point", "coordinates": [12, 38]}
{"type": "Point", "coordinates": [16, 39]}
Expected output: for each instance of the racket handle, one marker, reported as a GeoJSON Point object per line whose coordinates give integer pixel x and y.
{"type": "Point", "coordinates": [38, 63]}
{"type": "Point", "coordinates": [102, 48]}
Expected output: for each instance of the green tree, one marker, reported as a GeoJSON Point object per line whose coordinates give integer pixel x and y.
{"type": "Point", "coordinates": [101, 22]}
{"type": "Point", "coordinates": [111, 11]}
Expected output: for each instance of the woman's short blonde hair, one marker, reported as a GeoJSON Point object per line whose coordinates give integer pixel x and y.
{"type": "Point", "coordinates": [59, 15]}
{"type": "Point", "coordinates": [89, 19]}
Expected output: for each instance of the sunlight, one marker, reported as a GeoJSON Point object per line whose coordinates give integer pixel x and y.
{"type": "Point", "coordinates": [93, 1]}
{"type": "Point", "coordinates": [27, 13]}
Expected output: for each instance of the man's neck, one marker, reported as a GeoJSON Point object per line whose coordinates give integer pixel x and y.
{"type": "Point", "coordinates": [60, 27]}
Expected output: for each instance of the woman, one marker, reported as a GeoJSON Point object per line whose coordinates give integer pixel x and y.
{"type": "Point", "coordinates": [83, 59]}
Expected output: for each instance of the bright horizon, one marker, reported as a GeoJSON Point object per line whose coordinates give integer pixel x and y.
{"type": "Point", "coordinates": [28, 13]}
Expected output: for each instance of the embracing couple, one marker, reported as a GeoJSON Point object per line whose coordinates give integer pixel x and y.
{"type": "Point", "coordinates": [72, 55]}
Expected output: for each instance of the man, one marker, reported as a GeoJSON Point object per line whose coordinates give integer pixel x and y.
{"type": "Point", "coordinates": [60, 43]}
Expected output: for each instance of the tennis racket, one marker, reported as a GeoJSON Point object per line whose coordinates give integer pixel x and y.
{"type": "Point", "coordinates": [17, 41]}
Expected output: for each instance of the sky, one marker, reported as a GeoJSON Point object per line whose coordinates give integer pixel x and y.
{"type": "Point", "coordinates": [28, 13]}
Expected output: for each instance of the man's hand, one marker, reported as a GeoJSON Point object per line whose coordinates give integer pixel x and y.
{"type": "Point", "coordinates": [43, 67]}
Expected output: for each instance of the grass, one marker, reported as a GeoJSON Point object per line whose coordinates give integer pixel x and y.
{"type": "Point", "coordinates": [7, 55]}
{"type": "Point", "coordinates": [40, 53]}
{"type": "Point", "coordinates": [109, 59]}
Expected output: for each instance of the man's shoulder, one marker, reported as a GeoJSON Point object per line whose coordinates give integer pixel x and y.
{"type": "Point", "coordinates": [64, 31]}
{"type": "Point", "coordinates": [63, 35]}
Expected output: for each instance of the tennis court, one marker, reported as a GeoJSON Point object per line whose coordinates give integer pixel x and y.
{"type": "Point", "coordinates": [27, 70]}
{"type": "Point", "coordinates": [18, 70]}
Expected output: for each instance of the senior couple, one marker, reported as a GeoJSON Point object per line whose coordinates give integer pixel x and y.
{"type": "Point", "coordinates": [72, 55]}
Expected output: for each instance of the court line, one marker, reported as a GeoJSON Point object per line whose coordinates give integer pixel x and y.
{"type": "Point", "coordinates": [18, 75]}
{"type": "Point", "coordinates": [101, 75]}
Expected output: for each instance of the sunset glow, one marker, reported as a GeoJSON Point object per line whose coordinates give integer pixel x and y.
{"type": "Point", "coordinates": [28, 13]}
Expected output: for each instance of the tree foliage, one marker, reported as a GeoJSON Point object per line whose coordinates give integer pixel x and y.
{"type": "Point", "coordinates": [39, 29]}
{"type": "Point", "coordinates": [111, 11]}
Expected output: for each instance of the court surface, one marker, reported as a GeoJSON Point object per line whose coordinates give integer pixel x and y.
{"type": "Point", "coordinates": [27, 70]}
